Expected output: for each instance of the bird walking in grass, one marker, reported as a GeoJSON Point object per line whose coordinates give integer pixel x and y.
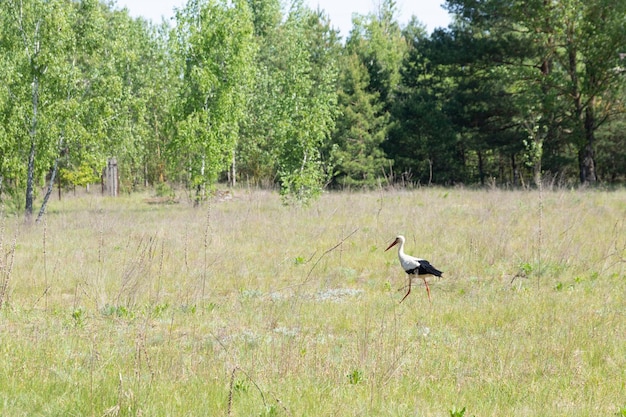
{"type": "Point", "coordinates": [414, 266]}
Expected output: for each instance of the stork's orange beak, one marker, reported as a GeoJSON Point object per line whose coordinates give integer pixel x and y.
{"type": "Point", "coordinates": [392, 245]}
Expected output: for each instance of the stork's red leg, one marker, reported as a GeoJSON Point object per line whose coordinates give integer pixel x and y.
{"type": "Point", "coordinates": [407, 293]}
{"type": "Point", "coordinates": [427, 290]}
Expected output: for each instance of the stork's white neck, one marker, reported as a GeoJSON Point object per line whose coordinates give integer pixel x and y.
{"type": "Point", "coordinates": [401, 253]}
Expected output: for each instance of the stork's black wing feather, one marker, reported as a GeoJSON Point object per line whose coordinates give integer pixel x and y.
{"type": "Point", "coordinates": [426, 268]}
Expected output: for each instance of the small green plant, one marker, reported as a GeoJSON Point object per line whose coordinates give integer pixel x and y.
{"type": "Point", "coordinates": [457, 413]}
{"type": "Point", "coordinates": [270, 411]}
{"type": "Point", "coordinates": [621, 412]}
{"type": "Point", "coordinates": [159, 309]}
{"type": "Point", "coordinates": [117, 311]}
{"type": "Point", "coordinates": [299, 260]}
{"type": "Point", "coordinates": [355, 377]}
{"type": "Point", "coordinates": [79, 317]}
{"type": "Point", "coordinates": [525, 269]}
{"type": "Point", "coordinates": [240, 386]}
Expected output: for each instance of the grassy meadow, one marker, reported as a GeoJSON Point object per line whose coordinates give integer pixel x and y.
{"type": "Point", "coordinates": [244, 307]}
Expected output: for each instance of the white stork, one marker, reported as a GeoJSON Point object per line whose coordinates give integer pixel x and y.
{"type": "Point", "coordinates": [414, 266]}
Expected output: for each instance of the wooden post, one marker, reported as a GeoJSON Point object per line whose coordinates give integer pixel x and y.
{"type": "Point", "coordinates": [110, 178]}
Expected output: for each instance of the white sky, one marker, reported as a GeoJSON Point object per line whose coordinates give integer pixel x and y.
{"type": "Point", "coordinates": [428, 12]}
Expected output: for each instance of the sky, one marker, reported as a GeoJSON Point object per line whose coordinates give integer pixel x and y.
{"type": "Point", "coordinates": [340, 12]}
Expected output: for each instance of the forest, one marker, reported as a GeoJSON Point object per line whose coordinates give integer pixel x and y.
{"type": "Point", "coordinates": [265, 92]}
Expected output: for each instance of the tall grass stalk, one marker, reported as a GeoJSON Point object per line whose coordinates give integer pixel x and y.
{"type": "Point", "coordinates": [540, 233]}
{"type": "Point", "coordinates": [6, 261]}
{"type": "Point", "coordinates": [45, 264]}
{"type": "Point", "coordinates": [207, 232]}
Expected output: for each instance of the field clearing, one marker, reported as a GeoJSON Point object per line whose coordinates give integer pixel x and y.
{"type": "Point", "coordinates": [245, 307]}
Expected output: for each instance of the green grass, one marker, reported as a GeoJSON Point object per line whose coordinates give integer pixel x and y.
{"type": "Point", "coordinates": [248, 308]}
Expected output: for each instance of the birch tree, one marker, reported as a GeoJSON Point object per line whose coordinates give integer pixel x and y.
{"type": "Point", "coordinates": [37, 35]}
{"type": "Point", "coordinates": [215, 50]}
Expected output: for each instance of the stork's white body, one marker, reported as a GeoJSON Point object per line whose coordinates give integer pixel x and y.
{"type": "Point", "coordinates": [413, 265]}
{"type": "Point", "coordinates": [408, 262]}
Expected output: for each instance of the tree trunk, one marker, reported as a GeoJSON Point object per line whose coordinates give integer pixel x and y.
{"type": "Point", "coordinates": [233, 171]}
{"type": "Point", "coordinates": [587, 155]}
{"type": "Point", "coordinates": [538, 156]}
{"type": "Point", "coordinates": [481, 168]}
{"type": "Point", "coordinates": [587, 165]}
{"type": "Point", "coordinates": [515, 171]}
{"type": "Point", "coordinates": [430, 172]}
{"type": "Point", "coordinates": [53, 175]}
{"type": "Point", "coordinates": [59, 186]}
{"type": "Point", "coordinates": [30, 191]}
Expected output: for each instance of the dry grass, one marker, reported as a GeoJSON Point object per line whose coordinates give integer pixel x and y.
{"type": "Point", "coordinates": [245, 307]}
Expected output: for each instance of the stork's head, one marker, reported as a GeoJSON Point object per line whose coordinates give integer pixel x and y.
{"type": "Point", "coordinates": [399, 239]}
